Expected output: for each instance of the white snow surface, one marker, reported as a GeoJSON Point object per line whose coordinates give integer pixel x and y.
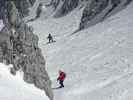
{"type": "Point", "coordinates": [97, 61]}
{"type": "Point", "coordinates": [14, 88]}
{"type": "Point", "coordinates": [1, 24]}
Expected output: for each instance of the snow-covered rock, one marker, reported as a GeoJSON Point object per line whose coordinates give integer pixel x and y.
{"type": "Point", "coordinates": [19, 46]}
{"type": "Point", "coordinates": [94, 11]}
{"type": "Point", "coordinates": [98, 10]}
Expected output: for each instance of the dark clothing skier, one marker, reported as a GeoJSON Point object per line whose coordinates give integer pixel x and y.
{"type": "Point", "coordinates": [61, 78]}
{"type": "Point", "coordinates": [50, 38]}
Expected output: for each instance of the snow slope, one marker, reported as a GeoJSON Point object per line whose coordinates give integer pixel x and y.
{"type": "Point", "coordinates": [98, 60]}
{"type": "Point", "coordinates": [14, 88]}
{"type": "Point", "coordinates": [1, 25]}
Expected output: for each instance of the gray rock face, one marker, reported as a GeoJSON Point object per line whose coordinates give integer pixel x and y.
{"type": "Point", "coordinates": [94, 10]}
{"type": "Point", "coordinates": [54, 3]}
{"type": "Point", "coordinates": [63, 7]}
{"type": "Point", "coordinates": [67, 6]}
{"type": "Point", "coordinates": [23, 5]}
{"type": "Point", "coordinates": [98, 10]}
{"type": "Point", "coordinates": [19, 46]}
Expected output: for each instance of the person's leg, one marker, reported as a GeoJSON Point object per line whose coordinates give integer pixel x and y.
{"type": "Point", "coordinates": [61, 84]}
{"type": "Point", "coordinates": [52, 40]}
{"type": "Point", "coordinates": [49, 40]}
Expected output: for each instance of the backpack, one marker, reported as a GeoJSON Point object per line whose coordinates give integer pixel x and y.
{"type": "Point", "coordinates": [64, 75]}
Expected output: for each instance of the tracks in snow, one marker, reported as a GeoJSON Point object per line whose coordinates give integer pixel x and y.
{"type": "Point", "coordinates": [98, 85]}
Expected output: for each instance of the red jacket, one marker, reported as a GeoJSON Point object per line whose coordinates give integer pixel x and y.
{"type": "Point", "coordinates": [61, 76]}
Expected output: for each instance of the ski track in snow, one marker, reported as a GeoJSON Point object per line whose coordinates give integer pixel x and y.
{"type": "Point", "coordinates": [92, 87]}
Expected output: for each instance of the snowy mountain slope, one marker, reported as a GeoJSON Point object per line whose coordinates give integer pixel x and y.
{"type": "Point", "coordinates": [1, 25]}
{"type": "Point", "coordinates": [98, 60]}
{"type": "Point", "coordinates": [14, 88]}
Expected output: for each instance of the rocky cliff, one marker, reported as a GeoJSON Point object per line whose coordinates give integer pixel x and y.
{"type": "Point", "coordinates": [98, 10]}
{"type": "Point", "coordinates": [63, 7]}
{"type": "Point", "coordinates": [94, 11]}
{"type": "Point", "coordinates": [19, 46]}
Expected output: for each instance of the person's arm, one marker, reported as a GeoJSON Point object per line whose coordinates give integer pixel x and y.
{"type": "Point", "coordinates": [48, 37]}
{"type": "Point", "coordinates": [58, 78]}
{"type": "Point", "coordinates": [61, 77]}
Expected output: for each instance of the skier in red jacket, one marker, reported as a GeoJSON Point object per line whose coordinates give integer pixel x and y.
{"type": "Point", "coordinates": [61, 78]}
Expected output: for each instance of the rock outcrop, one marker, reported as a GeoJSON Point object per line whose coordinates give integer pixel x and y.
{"type": "Point", "coordinates": [19, 46]}
{"type": "Point", "coordinates": [94, 11]}
{"type": "Point", "coordinates": [98, 10]}
{"type": "Point", "coordinates": [66, 7]}
{"type": "Point", "coordinates": [63, 7]}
